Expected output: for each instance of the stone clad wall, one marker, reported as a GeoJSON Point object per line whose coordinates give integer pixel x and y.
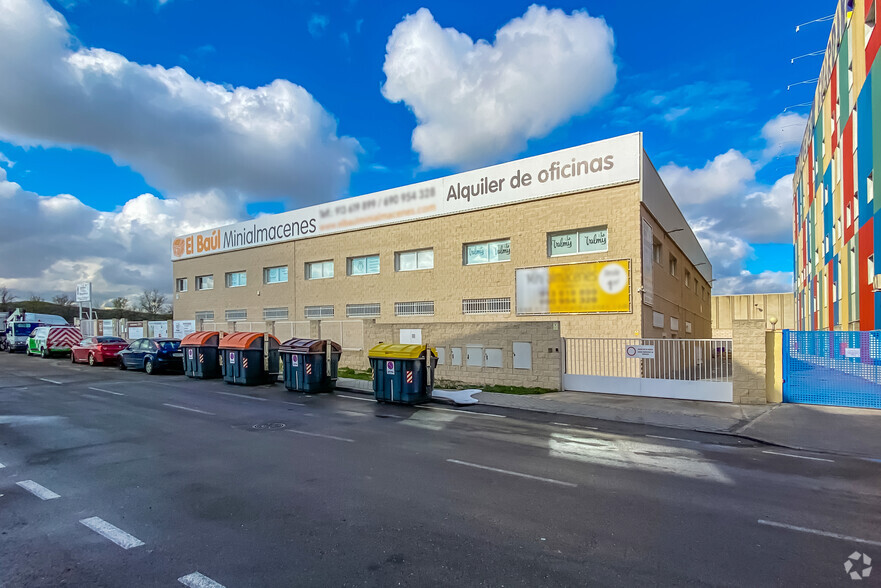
{"type": "Point", "coordinates": [750, 368]}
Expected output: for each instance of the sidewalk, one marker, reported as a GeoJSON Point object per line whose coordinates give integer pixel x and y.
{"type": "Point", "coordinates": [828, 429]}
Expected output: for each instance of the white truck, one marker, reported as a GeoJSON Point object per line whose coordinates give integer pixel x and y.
{"type": "Point", "coordinates": [20, 324]}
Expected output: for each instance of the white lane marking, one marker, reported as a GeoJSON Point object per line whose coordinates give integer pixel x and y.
{"type": "Point", "coordinates": [355, 398]}
{"type": "Point", "coordinates": [799, 456]}
{"type": "Point", "coordinates": [40, 492]}
{"type": "Point", "coordinates": [510, 473]}
{"type": "Point", "coordinates": [468, 412]}
{"type": "Point", "coordinates": [673, 438]}
{"type": "Point", "coordinates": [294, 403]}
{"type": "Point", "coordinates": [50, 381]}
{"type": "Point", "coordinates": [576, 426]}
{"type": "Point", "coordinates": [320, 435]}
{"type": "Point", "coordinates": [189, 409]}
{"type": "Point", "coordinates": [818, 532]}
{"type": "Point", "coordinates": [241, 395]}
{"type": "Point", "coordinates": [111, 532]}
{"type": "Point", "coordinates": [197, 580]}
{"type": "Point", "coordinates": [107, 391]}
{"type": "Point", "coordinates": [93, 397]}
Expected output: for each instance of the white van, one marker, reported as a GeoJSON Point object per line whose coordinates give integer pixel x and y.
{"type": "Point", "coordinates": [46, 341]}
{"type": "Point", "coordinates": [21, 324]}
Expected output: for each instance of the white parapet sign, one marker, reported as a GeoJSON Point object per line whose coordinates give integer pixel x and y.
{"type": "Point", "coordinates": [640, 351]}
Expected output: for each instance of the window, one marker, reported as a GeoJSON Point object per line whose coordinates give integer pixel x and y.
{"type": "Point", "coordinates": [687, 327]}
{"type": "Point", "coordinates": [408, 261]}
{"type": "Point", "coordinates": [657, 320]}
{"type": "Point", "coordinates": [870, 269]}
{"type": "Point", "coordinates": [489, 252]}
{"type": "Point", "coordinates": [591, 240]}
{"type": "Point", "coordinates": [870, 186]}
{"type": "Point", "coordinates": [205, 315]}
{"type": "Point", "coordinates": [204, 282]}
{"type": "Point", "coordinates": [236, 279]}
{"type": "Point", "coordinates": [318, 312]}
{"type": "Point", "coordinates": [362, 266]}
{"type": "Point", "coordinates": [672, 265]}
{"type": "Point", "coordinates": [414, 308]}
{"type": "Point", "coordinates": [181, 285]}
{"type": "Point", "coordinates": [674, 323]}
{"type": "Point", "coordinates": [687, 279]}
{"type": "Point", "coordinates": [319, 270]}
{"type": "Point", "coordinates": [486, 306]}
{"type": "Point", "coordinates": [275, 275]}
{"type": "Point", "coordinates": [236, 315]}
{"type": "Point", "coordinates": [870, 23]}
{"type": "Point", "coordinates": [363, 310]}
{"type": "Point", "coordinates": [275, 314]}
{"type": "Point", "coordinates": [656, 251]}
{"type": "Point", "coordinates": [837, 228]}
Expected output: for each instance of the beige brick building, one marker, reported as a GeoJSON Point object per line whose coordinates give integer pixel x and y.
{"type": "Point", "coordinates": [482, 246]}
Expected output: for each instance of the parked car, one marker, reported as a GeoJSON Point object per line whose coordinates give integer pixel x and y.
{"type": "Point", "coordinates": [95, 350]}
{"type": "Point", "coordinates": [46, 341]}
{"type": "Point", "coordinates": [152, 355]}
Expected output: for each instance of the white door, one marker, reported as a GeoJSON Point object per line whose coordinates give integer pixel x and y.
{"type": "Point", "coordinates": [474, 355]}
{"type": "Point", "coordinates": [456, 355]}
{"type": "Point", "coordinates": [522, 355]}
{"type": "Point", "coordinates": [493, 357]}
{"type": "Point", "coordinates": [411, 336]}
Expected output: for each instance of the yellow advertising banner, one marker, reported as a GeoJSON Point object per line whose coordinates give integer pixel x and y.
{"type": "Point", "coordinates": [599, 286]}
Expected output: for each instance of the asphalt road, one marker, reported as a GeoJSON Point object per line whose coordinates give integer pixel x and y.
{"type": "Point", "coordinates": [264, 487]}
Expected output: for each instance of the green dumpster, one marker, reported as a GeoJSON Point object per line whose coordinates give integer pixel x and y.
{"type": "Point", "coordinates": [201, 359]}
{"type": "Point", "coordinates": [403, 374]}
{"type": "Point", "coordinates": [307, 367]}
{"type": "Point", "coordinates": [244, 357]}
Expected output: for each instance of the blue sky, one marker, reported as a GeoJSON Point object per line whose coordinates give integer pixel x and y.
{"type": "Point", "coordinates": [707, 87]}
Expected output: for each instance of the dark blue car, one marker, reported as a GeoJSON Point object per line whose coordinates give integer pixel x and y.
{"type": "Point", "coordinates": [152, 355]}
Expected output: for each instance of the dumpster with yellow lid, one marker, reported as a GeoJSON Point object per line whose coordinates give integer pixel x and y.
{"type": "Point", "coordinates": [403, 374]}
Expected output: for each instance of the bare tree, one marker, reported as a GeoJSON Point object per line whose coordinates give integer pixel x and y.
{"type": "Point", "coordinates": [152, 301]}
{"type": "Point", "coordinates": [5, 295]}
{"type": "Point", "coordinates": [63, 300]}
{"type": "Point", "coordinates": [36, 298]}
{"type": "Point", "coordinates": [119, 303]}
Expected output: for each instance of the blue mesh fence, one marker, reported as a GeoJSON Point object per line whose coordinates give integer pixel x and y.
{"type": "Point", "coordinates": [841, 368]}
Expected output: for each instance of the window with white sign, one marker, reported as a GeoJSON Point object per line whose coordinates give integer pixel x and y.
{"type": "Point", "coordinates": [408, 261]}
{"type": "Point", "coordinates": [319, 270]}
{"type": "Point", "coordinates": [275, 275]}
{"type": "Point", "coordinates": [488, 252]}
{"type": "Point", "coordinates": [362, 266]}
{"type": "Point", "coordinates": [593, 240]}
{"type": "Point", "coordinates": [181, 285]}
{"type": "Point", "coordinates": [204, 282]}
{"type": "Point", "coordinates": [236, 279]}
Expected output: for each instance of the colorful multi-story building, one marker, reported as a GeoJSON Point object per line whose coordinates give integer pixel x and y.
{"type": "Point", "coordinates": [835, 202]}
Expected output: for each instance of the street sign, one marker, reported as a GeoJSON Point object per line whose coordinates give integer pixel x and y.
{"type": "Point", "coordinates": [640, 351]}
{"type": "Point", "coordinates": [390, 368]}
{"type": "Point", "coordinates": [84, 292]}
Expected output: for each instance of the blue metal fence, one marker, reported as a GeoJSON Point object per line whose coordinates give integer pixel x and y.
{"type": "Point", "coordinates": [840, 368]}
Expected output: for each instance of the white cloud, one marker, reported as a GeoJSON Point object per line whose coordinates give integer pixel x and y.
{"type": "Point", "coordinates": [181, 133]}
{"type": "Point", "coordinates": [6, 161]}
{"type": "Point", "coordinates": [729, 209]}
{"type": "Point", "coordinates": [783, 134]}
{"type": "Point", "coordinates": [64, 241]}
{"type": "Point", "coordinates": [478, 102]}
{"type": "Point", "coordinates": [766, 282]}
{"type": "Point", "coordinates": [317, 24]}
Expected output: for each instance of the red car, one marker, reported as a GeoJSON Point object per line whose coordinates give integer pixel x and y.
{"type": "Point", "coordinates": [97, 350]}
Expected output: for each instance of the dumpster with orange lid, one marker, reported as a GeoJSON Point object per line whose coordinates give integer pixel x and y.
{"type": "Point", "coordinates": [249, 358]}
{"type": "Point", "coordinates": [200, 354]}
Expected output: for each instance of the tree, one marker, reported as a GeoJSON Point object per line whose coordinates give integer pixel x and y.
{"type": "Point", "coordinates": [5, 295]}
{"type": "Point", "coordinates": [152, 301]}
{"type": "Point", "coordinates": [63, 300]}
{"type": "Point", "coordinates": [36, 298]}
{"type": "Point", "coordinates": [119, 303]}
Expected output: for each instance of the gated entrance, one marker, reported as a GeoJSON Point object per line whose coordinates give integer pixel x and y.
{"type": "Point", "coordinates": [692, 369]}
{"type": "Point", "coordinates": [836, 368]}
